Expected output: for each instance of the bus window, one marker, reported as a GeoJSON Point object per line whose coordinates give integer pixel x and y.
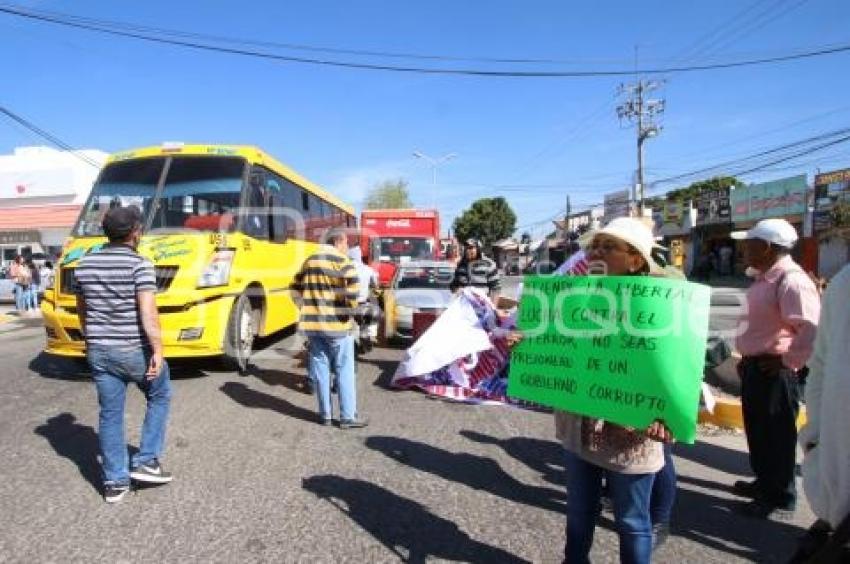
{"type": "Point", "coordinates": [120, 184]}
{"type": "Point", "coordinates": [305, 204]}
{"type": "Point", "coordinates": [280, 218]}
{"type": "Point", "coordinates": [256, 216]}
{"type": "Point", "coordinates": [215, 181]}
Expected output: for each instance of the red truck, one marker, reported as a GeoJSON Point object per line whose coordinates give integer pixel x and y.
{"type": "Point", "coordinates": [390, 237]}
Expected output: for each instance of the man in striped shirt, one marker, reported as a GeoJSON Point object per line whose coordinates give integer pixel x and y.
{"type": "Point", "coordinates": [116, 302]}
{"type": "Point", "coordinates": [327, 285]}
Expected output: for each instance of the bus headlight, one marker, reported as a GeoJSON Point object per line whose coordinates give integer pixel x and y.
{"type": "Point", "coordinates": [217, 271]}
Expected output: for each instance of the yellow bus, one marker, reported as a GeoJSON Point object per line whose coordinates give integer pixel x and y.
{"type": "Point", "coordinates": [226, 227]}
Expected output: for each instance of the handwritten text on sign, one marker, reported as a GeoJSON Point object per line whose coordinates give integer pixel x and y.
{"type": "Point", "coordinates": [627, 349]}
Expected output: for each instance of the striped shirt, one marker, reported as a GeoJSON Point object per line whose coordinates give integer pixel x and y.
{"type": "Point", "coordinates": [109, 280]}
{"type": "Point", "coordinates": [328, 287]}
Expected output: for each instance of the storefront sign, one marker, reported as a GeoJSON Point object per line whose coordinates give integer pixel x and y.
{"type": "Point", "coordinates": [778, 198]}
{"type": "Point", "coordinates": [626, 349]}
{"type": "Point", "coordinates": [15, 237]}
{"type": "Point", "coordinates": [830, 188]}
{"type": "Point", "coordinates": [713, 207]}
{"type": "Point", "coordinates": [673, 213]}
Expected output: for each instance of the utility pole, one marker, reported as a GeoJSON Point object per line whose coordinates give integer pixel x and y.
{"type": "Point", "coordinates": [641, 112]}
{"type": "Point", "coordinates": [567, 218]}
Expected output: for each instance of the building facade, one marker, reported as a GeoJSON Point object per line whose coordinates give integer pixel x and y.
{"type": "Point", "coordinates": [41, 193]}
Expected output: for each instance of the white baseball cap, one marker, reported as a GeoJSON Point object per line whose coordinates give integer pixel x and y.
{"type": "Point", "coordinates": [630, 230]}
{"type": "Point", "coordinates": [775, 231]}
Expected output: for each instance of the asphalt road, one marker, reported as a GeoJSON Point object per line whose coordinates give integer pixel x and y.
{"type": "Point", "coordinates": [258, 481]}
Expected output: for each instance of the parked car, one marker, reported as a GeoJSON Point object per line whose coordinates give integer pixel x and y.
{"type": "Point", "coordinates": [418, 286]}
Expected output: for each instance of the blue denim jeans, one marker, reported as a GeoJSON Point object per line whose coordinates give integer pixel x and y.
{"type": "Point", "coordinates": [630, 498]}
{"type": "Point", "coordinates": [664, 490]}
{"type": "Point", "coordinates": [333, 354]}
{"type": "Point", "coordinates": [20, 297]}
{"type": "Point", "coordinates": [113, 367]}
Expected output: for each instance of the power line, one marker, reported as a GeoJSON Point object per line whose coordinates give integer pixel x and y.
{"type": "Point", "coordinates": [742, 160]}
{"type": "Point", "coordinates": [755, 25]}
{"type": "Point", "coordinates": [67, 22]}
{"type": "Point", "coordinates": [47, 135]}
{"type": "Point", "coordinates": [293, 46]}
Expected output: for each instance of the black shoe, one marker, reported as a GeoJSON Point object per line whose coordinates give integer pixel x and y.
{"type": "Point", "coordinates": [660, 533]}
{"type": "Point", "coordinates": [325, 422]}
{"type": "Point", "coordinates": [113, 493]}
{"type": "Point", "coordinates": [151, 473]}
{"type": "Point", "coordinates": [309, 388]}
{"type": "Point", "coordinates": [353, 423]}
{"type": "Point", "coordinates": [765, 510]}
{"type": "Point", "coordinates": [744, 488]}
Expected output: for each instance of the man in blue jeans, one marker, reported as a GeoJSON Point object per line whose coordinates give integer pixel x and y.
{"type": "Point", "coordinates": [327, 285]}
{"type": "Point", "coordinates": [116, 301]}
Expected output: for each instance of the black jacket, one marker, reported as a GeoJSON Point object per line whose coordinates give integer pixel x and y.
{"type": "Point", "coordinates": [481, 273]}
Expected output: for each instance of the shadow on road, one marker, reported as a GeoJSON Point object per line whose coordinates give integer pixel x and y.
{"type": "Point", "coordinates": [78, 443]}
{"type": "Point", "coordinates": [544, 457]}
{"type": "Point", "coordinates": [474, 471]}
{"type": "Point", "coordinates": [295, 382]}
{"type": "Point", "coordinates": [712, 521]}
{"type": "Point", "coordinates": [72, 368]}
{"type": "Point", "coordinates": [386, 369]}
{"type": "Point", "coordinates": [720, 458]}
{"type": "Point", "coordinates": [60, 367]}
{"type": "Point", "coordinates": [404, 526]}
{"type": "Point", "coordinates": [242, 394]}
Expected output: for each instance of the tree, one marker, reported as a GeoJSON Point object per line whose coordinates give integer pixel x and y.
{"type": "Point", "coordinates": [489, 220]}
{"type": "Point", "coordinates": [389, 194]}
{"type": "Point", "coordinates": [696, 188]}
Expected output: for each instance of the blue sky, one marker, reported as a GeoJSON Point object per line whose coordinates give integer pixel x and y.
{"type": "Point", "coordinates": [532, 140]}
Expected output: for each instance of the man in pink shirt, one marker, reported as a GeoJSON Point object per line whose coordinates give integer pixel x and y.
{"type": "Point", "coordinates": [777, 335]}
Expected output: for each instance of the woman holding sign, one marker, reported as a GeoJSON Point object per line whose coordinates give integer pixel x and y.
{"type": "Point", "coordinates": [628, 459]}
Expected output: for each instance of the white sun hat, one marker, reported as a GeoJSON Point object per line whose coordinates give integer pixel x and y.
{"type": "Point", "coordinates": [775, 231]}
{"type": "Point", "coordinates": [630, 230]}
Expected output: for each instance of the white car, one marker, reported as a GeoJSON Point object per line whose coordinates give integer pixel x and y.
{"type": "Point", "coordinates": [418, 286]}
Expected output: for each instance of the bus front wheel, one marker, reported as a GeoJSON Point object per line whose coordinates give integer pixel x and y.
{"type": "Point", "coordinates": [239, 337]}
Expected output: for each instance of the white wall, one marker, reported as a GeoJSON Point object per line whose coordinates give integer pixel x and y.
{"type": "Point", "coordinates": [42, 175]}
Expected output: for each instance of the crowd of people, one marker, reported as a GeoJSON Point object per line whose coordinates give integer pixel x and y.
{"type": "Point", "coordinates": [779, 342]}
{"type": "Point", "coordinates": [30, 281]}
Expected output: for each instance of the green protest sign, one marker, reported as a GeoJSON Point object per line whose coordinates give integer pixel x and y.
{"type": "Point", "coordinates": [627, 349]}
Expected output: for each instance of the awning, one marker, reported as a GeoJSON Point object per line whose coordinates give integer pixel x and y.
{"type": "Point", "coordinates": [36, 217]}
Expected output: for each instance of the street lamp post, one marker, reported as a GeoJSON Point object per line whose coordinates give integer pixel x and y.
{"type": "Point", "coordinates": [434, 162]}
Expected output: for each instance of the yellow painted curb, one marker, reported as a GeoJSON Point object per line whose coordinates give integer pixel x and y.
{"type": "Point", "coordinates": [727, 413]}
{"type": "Point", "coordinates": [5, 318]}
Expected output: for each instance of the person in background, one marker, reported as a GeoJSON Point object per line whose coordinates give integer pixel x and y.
{"type": "Point", "coordinates": [327, 288]}
{"type": "Point", "coordinates": [476, 270]}
{"type": "Point", "coordinates": [367, 306]}
{"type": "Point", "coordinates": [35, 285]}
{"type": "Point", "coordinates": [46, 274]}
{"type": "Point", "coordinates": [826, 462]}
{"type": "Point", "coordinates": [725, 254]}
{"type": "Point", "coordinates": [116, 301]}
{"type": "Point", "coordinates": [778, 333]}
{"type": "Point", "coordinates": [629, 459]}
{"type": "Point", "coordinates": [20, 275]}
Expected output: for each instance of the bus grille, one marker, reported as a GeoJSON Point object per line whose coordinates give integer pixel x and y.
{"type": "Point", "coordinates": [164, 277]}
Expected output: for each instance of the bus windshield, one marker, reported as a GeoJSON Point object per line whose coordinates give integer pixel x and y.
{"type": "Point", "coordinates": [200, 193]}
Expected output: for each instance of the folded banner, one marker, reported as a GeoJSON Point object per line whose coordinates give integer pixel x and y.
{"type": "Point", "coordinates": [627, 349]}
{"type": "Point", "coordinates": [462, 356]}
